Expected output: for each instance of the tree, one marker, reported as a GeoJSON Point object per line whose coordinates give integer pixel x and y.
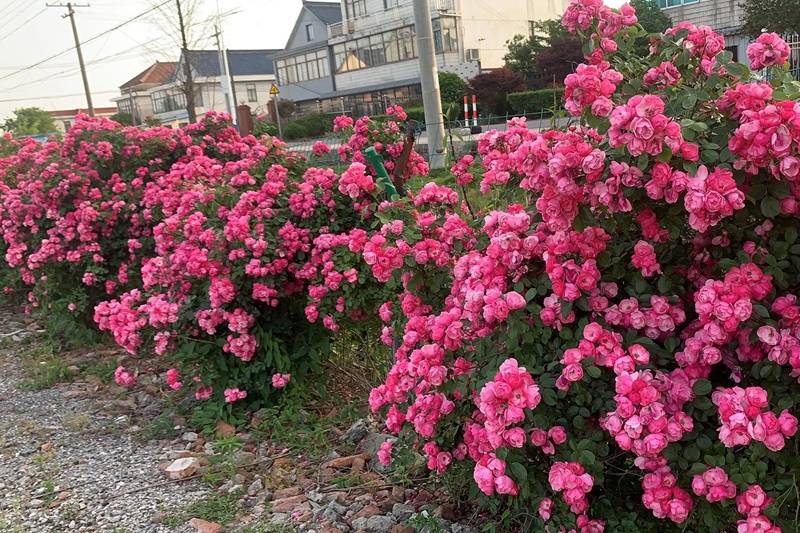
{"type": "Point", "coordinates": [779, 16]}
{"type": "Point", "coordinates": [452, 88]}
{"type": "Point", "coordinates": [522, 51]}
{"type": "Point", "coordinates": [123, 118]}
{"type": "Point", "coordinates": [491, 88]}
{"type": "Point", "coordinates": [30, 121]}
{"type": "Point", "coordinates": [558, 61]}
{"type": "Point", "coordinates": [183, 23]}
{"type": "Point", "coordinates": [652, 19]}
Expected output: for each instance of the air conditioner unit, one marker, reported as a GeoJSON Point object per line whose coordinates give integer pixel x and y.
{"type": "Point", "coordinates": [351, 26]}
{"type": "Point", "coordinates": [473, 54]}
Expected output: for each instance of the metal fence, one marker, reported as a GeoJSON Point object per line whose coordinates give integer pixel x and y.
{"type": "Point", "coordinates": [461, 136]}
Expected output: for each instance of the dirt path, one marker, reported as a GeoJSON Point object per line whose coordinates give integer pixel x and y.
{"type": "Point", "coordinates": [65, 461]}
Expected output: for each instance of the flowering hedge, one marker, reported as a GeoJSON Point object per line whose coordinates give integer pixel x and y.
{"type": "Point", "coordinates": [621, 350]}
{"type": "Point", "coordinates": [229, 256]}
{"type": "Point", "coordinates": [255, 263]}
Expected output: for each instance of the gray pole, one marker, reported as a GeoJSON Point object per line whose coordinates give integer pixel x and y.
{"type": "Point", "coordinates": [278, 117]}
{"type": "Point", "coordinates": [133, 109]}
{"type": "Point", "coordinates": [71, 15]}
{"type": "Point", "coordinates": [430, 84]}
{"type": "Point", "coordinates": [223, 78]}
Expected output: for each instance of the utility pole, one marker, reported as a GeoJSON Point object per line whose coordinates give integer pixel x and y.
{"type": "Point", "coordinates": [429, 76]}
{"type": "Point", "coordinates": [133, 108]}
{"type": "Point", "coordinates": [188, 82]}
{"type": "Point", "coordinates": [223, 74]}
{"type": "Point", "coordinates": [71, 15]}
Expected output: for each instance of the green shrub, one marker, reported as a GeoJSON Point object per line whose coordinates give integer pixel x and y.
{"type": "Point", "coordinates": [294, 131]}
{"type": "Point", "coordinates": [535, 101]}
{"type": "Point", "coordinates": [310, 126]}
{"type": "Point", "coordinates": [416, 113]}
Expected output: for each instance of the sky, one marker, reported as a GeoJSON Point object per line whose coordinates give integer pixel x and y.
{"type": "Point", "coordinates": [30, 32]}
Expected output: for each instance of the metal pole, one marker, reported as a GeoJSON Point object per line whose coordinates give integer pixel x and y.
{"type": "Point", "coordinates": [278, 116]}
{"type": "Point", "coordinates": [133, 110]}
{"type": "Point", "coordinates": [224, 82]}
{"type": "Point", "coordinates": [344, 113]}
{"type": "Point", "coordinates": [71, 15]}
{"type": "Point", "coordinates": [430, 84]}
{"type": "Point", "coordinates": [188, 83]}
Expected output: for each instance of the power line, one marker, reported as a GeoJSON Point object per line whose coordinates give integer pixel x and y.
{"type": "Point", "coordinates": [71, 48]}
{"type": "Point", "coordinates": [7, 35]}
{"type": "Point", "coordinates": [50, 97]}
{"type": "Point", "coordinates": [10, 18]}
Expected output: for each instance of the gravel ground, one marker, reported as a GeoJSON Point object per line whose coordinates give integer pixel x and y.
{"type": "Point", "coordinates": [64, 464]}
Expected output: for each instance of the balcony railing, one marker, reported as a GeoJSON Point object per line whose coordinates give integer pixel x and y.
{"type": "Point", "coordinates": [403, 12]}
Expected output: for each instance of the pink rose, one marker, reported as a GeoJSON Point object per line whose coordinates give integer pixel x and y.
{"type": "Point", "coordinates": [505, 485]}
{"type": "Point", "coordinates": [559, 435]}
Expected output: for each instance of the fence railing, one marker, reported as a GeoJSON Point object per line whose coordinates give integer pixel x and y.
{"type": "Point", "coordinates": [460, 136]}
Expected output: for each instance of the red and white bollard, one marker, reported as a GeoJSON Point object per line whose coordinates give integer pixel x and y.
{"type": "Point", "coordinates": [466, 110]}
{"type": "Point", "coordinates": [474, 111]}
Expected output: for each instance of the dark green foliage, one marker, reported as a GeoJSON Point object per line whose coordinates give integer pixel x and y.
{"type": "Point", "coordinates": [533, 102]}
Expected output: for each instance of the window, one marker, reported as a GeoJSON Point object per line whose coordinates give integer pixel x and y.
{"type": "Point", "coordinates": [445, 35]}
{"type": "Point", "coordinates": [383, 48]}
{"type": "Point", "coordinates": [304, 67]}
{"type": "Point", "coordinates": [355, 8]}
{"type": "Point", "coordinates": [252, 95]}
{"type": "Point", "coordinates": [67, 125]}
{"type": "Point", "coordinates": [390, 3]}
{"type": "Point", "coordinates": [170, 100]}
{"type": "Point", "coordinates": [675, 3]}
{"type": "Point", "coordinates": [735, 51]}
{"type": "Point", "coordinates": [124, 106]}
{"type": "Point", "coordinates": [310, 32]}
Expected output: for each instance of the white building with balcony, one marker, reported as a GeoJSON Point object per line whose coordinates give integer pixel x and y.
{"type": "Point", "coordinates": [372, 50]}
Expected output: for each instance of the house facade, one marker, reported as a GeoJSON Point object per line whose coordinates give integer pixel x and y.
{"type": "Point", "coordinates": [252, 74]}
{"type": "Point", "coordinates": [726, 17]}
{"type": "Point", "coordinates": [134, 98]}
{"type": "Point", "coordinates": [65, 118]}
{"type": "Point", "coordinates": [303, 68]}
{"type": "Point", "coordinates": [373, 56]}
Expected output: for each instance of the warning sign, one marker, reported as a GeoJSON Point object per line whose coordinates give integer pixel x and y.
{"type": "Point", "coordinates": [274, 89]}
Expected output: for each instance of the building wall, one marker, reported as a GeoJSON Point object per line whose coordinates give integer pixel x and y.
{"type": "Point", "coordinates": [214, 99]}
{"type": "Point", "coordinates": [307, 90]}
{"type": "Point", "coordinates": [718, 14]}
{"type": "Point", "coordinates": [487, 26]}
{"type": "Point", "coordinates": [299, 38]}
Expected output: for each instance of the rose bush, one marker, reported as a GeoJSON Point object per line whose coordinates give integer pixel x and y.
{"type": "Point", "coordinates": [621, 349]}
{"type": "Point", "coordinates": [256, 262]}
{"type": "Point", "coordinates": [231, 257]}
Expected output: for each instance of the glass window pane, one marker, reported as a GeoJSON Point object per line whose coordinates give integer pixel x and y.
{"type": "Point", "coordinates": [437, 36]}
{"type": "Point", "coordinates": [391, 51]}
{"type": "Point", "coordinates": [364, 53]}
{"type": "Point", "coordinates": [376, 49]}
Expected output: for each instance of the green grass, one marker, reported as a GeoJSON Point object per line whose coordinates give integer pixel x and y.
{"type": "Point", "coordinates": [219, 507]}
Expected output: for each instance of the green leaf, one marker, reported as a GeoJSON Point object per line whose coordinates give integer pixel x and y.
{"type": "Point", "coordinates": [519, 471]}
{"type": "Point", "coordinates": [770, 207]}
{"type": "Point", "coordinates": [734, 69]}
{"type": "Point", "coordinates": [761, 310]}
{"type": "Point", "coordinates": [702, 387]}
{"type": "Point", "coordinates": [791, 235]}
{"type": "Point", "coordinates": [593, 372]}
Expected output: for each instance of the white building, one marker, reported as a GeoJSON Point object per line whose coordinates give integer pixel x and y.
{"type": "Point", "coordinates": [134, 98]}
{"type": "Point", "coordinates": [373, 50]}
{"type": "Point", "coordinates": [252, 74]}
{"type": "Point", "coordinates": [726, 17]}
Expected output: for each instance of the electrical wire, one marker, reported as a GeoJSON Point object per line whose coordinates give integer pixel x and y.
{"type": "Point", "coordinates": [7, 35]}
{"type": "Point", "coordinates": [91, 39]}
{"type": "Point", "coordinates": [52, 96]}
